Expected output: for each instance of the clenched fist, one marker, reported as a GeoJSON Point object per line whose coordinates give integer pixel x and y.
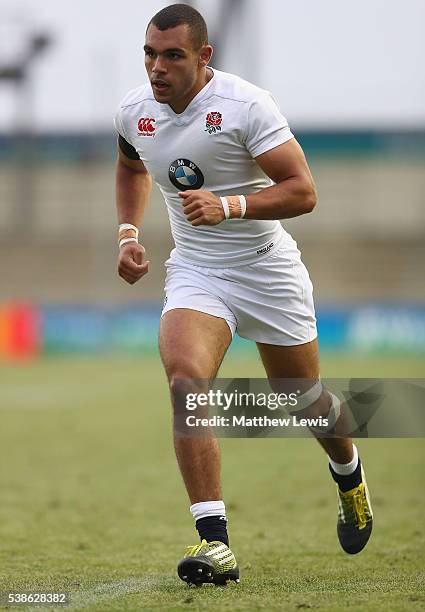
{"type": "Point", "coordinates": [131, 262]}
{"type": "Point", "coordinates": [202, 207]}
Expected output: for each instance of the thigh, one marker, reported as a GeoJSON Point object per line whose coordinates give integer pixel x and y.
{"type": "Point", "coordinates": [273, 300]}
{"type": "Point", "coordinates": [192, 344]}
{"type": "Point", "coordinates": [298, 361]}
{"type": "Point", "coordinates": [194, 288]}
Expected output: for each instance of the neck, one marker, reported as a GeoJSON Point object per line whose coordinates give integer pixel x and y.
{"type": "Point", "coordinates": [205, 76]}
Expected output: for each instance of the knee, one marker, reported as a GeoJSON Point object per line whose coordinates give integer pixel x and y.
{"type": "Point", "coordinates": [319, 408]}
{"type": "Point", "coordinates": [184, 381]}
{"type": "Point", "coordinates": [315, 402]}
{"type": "Point", "coordinates": [327, 406]}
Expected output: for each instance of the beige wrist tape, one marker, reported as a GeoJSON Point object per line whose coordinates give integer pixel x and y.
{"type": "Point", "coordinates": [234, 207]}
{"type": "Point", "coordinates": [127, 231]}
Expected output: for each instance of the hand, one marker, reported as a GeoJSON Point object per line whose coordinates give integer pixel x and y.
{"type": "Point", "coordinates": [202, 207]}
{"type": "Point", "coordinates": [131, 262]}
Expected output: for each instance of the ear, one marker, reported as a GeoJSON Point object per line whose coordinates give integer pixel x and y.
{"type": "Point", "coordinates": [205, 55]}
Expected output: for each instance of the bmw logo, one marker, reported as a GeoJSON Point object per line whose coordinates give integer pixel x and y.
{"type": "Point", "coordinates": [184, 174]}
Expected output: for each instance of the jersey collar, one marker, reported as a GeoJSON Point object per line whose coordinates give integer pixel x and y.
{"type": "Point", "coordinates": [192, 107]}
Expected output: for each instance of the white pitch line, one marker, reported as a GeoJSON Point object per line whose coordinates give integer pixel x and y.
{"type": "Point", "coordinates": [45, 397]}
{"type": "Point", "coordinates": [106, 593]}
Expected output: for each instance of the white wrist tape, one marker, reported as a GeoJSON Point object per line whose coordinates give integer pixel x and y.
{"type": "Point", "coordinates": [125, 240]}
{"type": "Point", "coordinates": [225, 206]}
{"type": "Point", "coordinates": [128, 226]}
{"type": "Point", "coordinates": [242, 200]}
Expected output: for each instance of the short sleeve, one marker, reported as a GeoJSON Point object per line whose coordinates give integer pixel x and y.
{"type": "Point", "coordinates": [266, 127]}
{"type": "Point", "coordinates": [119, 124]}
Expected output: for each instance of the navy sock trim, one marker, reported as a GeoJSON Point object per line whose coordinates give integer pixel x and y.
{"type": "Point", "coordinates": [350, 481]}
{"type": "Point", "coordinates": [213, 528]}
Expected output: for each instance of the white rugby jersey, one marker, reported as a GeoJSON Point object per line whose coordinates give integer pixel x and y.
{"type": "Point", "coordinates": [210, 145]}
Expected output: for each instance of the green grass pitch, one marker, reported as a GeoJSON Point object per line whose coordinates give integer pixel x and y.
{"type": "Point", "coordinates": [91, 501]}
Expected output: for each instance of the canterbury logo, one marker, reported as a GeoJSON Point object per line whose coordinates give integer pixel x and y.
{"type": "Point", "coordinates": [146, 127]}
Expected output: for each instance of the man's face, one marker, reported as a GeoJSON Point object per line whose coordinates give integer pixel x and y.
{"type": "Point", "coordinates": [173, 66]}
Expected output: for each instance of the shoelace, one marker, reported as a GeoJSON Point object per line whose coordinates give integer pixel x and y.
{"type": "Point", "coordinates": [357, 502]}
{"type": "Point", "coordinates": [359, 507]}
{"type": "Point", "coordinates": [192, 551]}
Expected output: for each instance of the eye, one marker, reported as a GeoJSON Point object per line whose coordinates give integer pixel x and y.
{"type": "Point", "coordinates": [149, 52]}
{"type": "Point", "coordinates": [175, 55]}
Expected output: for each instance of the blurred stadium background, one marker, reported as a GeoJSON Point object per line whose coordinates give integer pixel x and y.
{"type": "Point", "coordinates": [350, 79]}
{"type": "Point", "coordinates": [355, 104]}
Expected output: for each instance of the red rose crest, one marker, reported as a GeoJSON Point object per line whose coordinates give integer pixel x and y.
{"type": "Point", "coordinates": [213, 122]}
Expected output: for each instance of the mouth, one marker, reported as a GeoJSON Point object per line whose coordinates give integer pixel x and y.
{"type": "Point", "coordinates": [160, 86]}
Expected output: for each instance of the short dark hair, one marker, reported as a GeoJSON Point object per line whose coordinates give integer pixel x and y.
{"type": "Point", "coordinates": [180, 14]}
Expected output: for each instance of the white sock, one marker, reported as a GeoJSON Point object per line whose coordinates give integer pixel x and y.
{"type": "Point", "coordinates": [344, 469]}
{"type": "Point", "coordinates": [208, 508]}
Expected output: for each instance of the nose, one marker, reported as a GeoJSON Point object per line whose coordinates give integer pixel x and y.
{"type": "Point", "coordinates": [158, 66]}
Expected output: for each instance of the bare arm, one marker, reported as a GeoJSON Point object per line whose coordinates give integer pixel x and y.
{"type": "Point", "coordinates": [133, 186]}
{"type": "Point", "coordinates": [294, 193]}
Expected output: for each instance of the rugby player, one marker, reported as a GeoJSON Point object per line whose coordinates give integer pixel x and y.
{"type": "Point", "coordinates": [229, 170]}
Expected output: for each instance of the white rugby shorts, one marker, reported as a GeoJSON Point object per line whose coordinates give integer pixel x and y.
{"type": "Point", "coordinates": [269, 301]}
